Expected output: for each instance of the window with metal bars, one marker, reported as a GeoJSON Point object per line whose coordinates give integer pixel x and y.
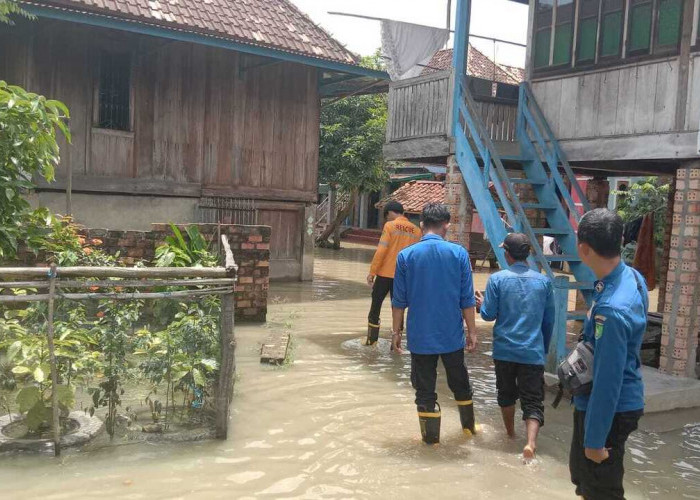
{"type": "Point", "coordinates": [114, 93]}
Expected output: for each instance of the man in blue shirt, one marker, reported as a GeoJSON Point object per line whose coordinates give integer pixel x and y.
{"type": "Point", "coordinates": [522, 303]}
{"type": "Point", "coordinates": [604, 419]}
{"type": "Point", "coordinates": [434, 281]}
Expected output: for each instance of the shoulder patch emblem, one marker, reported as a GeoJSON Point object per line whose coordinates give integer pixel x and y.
{"type": "Point", "coordinates": [599, 325]}
{"type": "Point", "coordinates": [599, 287]}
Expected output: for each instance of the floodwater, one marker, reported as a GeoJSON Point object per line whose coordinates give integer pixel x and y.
{"type": "Point", "coordinates": [339, 422]}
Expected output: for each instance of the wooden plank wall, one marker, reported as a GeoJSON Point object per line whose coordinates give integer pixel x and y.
{"type": "Point", "coordinates": [418, 107]}
{"type": "Point", "coordinates": [632, 100]}
{"type": "Point", "coordinates": [198, 115]}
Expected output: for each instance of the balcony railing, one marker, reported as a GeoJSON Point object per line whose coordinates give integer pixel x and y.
{"type": "Point", "coordinates": [421, 108]}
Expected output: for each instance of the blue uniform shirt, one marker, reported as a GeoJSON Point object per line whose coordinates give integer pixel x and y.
{"type": "Point", "coordinates": [434, 281]}
{"type": "Point", "coordinates": [615, 326]}
{"type": "Point", "coordinates": [522, 303]}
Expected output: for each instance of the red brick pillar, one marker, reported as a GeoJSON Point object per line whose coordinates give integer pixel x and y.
{"type": "Point", "coordinates": [663, 268]}
{"type": "Point", "coordinates": [681, 326]}
{"type": "Point", "coordinates": [460, 204]}
{"type": "Point", "coordinates": [597, 194]}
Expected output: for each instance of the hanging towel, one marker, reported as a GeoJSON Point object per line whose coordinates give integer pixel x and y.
{"type": "Point", "coordinates": [645, 256]}
{"type": "Point", "coordinates": [407, 45]}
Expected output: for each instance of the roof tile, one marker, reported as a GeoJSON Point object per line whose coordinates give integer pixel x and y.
{"type": "Point", "coordinates": [479, 65]}
{"type": "Point", "coordinates": [276, 24]}
{"type": "Point", "coordinates": [415, 195]}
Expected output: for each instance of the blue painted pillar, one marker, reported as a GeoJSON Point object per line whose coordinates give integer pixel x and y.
{"type": "Point", "coordinates": [557, 347]}
{"type": "Point", "coordinates": [459, 58]}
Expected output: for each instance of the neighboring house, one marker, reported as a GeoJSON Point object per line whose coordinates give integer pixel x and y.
{"type": "Point", "coordinates": [414, 195]}
{"type": "Point", "coordinates": [196, 111]}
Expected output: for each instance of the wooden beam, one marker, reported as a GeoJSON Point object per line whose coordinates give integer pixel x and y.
{"type": "Point", "coordinates": [684, 64]}
{"type": "Point", "coordinates": [121, 185]}
{"type": "Point", "coordinates": [271, 194]}
{"type": "Point", "coordinates": [115, 272]}
{"type": "Point", "coordinates": [669, 147]}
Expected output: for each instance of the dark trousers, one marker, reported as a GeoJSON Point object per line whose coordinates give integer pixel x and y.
{"type": "Point", "coordinates": [382, 287]}
{"type": "Point", "coordinates": [424, 377]}
{"type": "Point", "coordinates": [601, 481]}
{"type": "Point", "coordinates": [520, 381]}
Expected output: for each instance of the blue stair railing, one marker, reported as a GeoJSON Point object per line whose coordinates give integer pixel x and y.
{"type": "Point", "coordinates": [547, 171]}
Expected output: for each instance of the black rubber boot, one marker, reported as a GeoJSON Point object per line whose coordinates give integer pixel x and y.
{"type": "Point", "coordinates": [372, 334]}
{"type": "Point", "coordinates": [429, 425]}
{"type": "Point", "coordinates": [466, 416]}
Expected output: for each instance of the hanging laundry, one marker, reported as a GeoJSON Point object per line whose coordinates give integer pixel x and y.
{"type": "Point", "coordinates": [645, 256]}
{"type": "Point", "coordinates": [407, 45]}
{"type": "Point", "coordinates": [631, 231]}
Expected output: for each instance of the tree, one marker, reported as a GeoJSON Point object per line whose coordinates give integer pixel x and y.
{"type": "Point", "coordinates": [642, 198]}
{"type": "Point", "coordinates": [352, 136]}
{"type": "Point", "coordinates": [28, 147]}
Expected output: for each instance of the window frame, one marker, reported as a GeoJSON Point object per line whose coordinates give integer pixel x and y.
{"type": "Point", "coordinates": [580, 17]}
{"type": "Point", "coordinates": [633, 53]}
{"type": "Point", "coordinates": [99, 61]}
{"type": "Point", "coordinates": [535, 34]}
{"type": "Point", "coordinates": [610, 58]}
{"type": "Point", "coordinates": [666, 49]}
{"type": "Point", "coordinates": [572, 35]}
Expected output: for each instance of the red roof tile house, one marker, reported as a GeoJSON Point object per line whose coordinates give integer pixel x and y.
{"type": "Point", "coordinates": [185, 111]}
{"type": "Point", "coordinates": [415, 195]}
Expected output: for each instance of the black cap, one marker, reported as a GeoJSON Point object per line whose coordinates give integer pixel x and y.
{"type": "Point", "coordinates": [517, 245]}
{"type": "Point", "coordinates": [393, 206]}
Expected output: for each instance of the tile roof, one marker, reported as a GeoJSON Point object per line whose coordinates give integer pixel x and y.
{"type": "Point", "coordinates": [416, 194]}
{"type": "Point", "coordinates": [276, 24]}
{"type": "Point", "coordinates": [479, 65]}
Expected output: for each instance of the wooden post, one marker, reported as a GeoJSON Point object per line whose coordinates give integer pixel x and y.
{"type": "Point", "coordinates": [227, 368]}
{"type": "Point", "coordinates": [54, 369]}
{"type": "Point", "coordinates": [557, 347]}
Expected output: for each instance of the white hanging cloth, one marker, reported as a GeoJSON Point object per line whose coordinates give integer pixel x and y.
{"type": "Point", "coordinates": [408, 45]}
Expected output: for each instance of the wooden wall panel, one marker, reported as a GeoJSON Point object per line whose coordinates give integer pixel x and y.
{"type": "Point", "coordinates": [621, 101]}
{"type": "Point", "coordinates": [112, 153]}
{"type": "Point", "coordinates": [692, 121]}
{"type": "Point", "coordinates": [285, 243]}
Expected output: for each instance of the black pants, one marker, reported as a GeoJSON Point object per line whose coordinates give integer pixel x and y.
{"type": "Point", "coordinates": [382, 287]}
{"type": "Point", "coordinates": [424, 377]}
{"type": "Point", "coordinates": [601, 481]}
{"type": "Point", "coordinates": [525, 382]}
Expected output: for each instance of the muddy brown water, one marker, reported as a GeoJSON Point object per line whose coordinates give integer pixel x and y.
{"type": "Point", "coordinates": [340, 423]}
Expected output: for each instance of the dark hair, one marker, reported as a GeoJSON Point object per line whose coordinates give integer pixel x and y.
{"type": "Point", "coordinates": [601, 229]}
{"type": "Point", "coordinates": [434, 215]}
{"type": "Point", "coordinates": [393, 206]}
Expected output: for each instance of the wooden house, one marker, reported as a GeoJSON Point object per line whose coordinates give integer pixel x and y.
{"type": "Point", "coordinates": [197, 111]}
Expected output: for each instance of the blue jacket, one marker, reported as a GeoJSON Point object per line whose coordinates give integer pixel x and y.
{"type": "Point", "coordinates": [615, 326]}
{"type": "Point", "coordinates": [522, 303]}
{"type": "Point", "coordinates": [434, 281]}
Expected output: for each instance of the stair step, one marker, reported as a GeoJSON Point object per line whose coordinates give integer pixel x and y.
{"type": "Point", "coordinates": [576, 315]}
{"type": "Point", "coordinates": [532, 206]}
{"type": "Point", "coordinates": [551, 230]}
{"type": "Point", "coordinates": [563, 258]}
{"type": "Point", "coordinates": [534, 182]}
{"type": "Point", "coordinates": [581, 285]}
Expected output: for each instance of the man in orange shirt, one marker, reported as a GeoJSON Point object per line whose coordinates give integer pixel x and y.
{"type": "Point", "coordinates": [398, 234]}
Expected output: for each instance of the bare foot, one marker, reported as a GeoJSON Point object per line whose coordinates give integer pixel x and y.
{"type": "Point", "coordinates": [528, 453]}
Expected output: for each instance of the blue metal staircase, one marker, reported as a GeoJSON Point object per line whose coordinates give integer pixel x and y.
{"type": "Point", "coordinates": [547, 171]}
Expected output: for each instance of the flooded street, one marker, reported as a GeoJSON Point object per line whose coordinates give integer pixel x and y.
{"type": "Point", "coordinates": [339, 422]}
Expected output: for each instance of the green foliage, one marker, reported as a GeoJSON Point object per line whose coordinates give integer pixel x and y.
{"type": "Point", "coordinates": [180, 252]}
{"type": "Point", "coordinates": [644, 197]}
{"type": "Point", "coordinates": [352, 136]}
{"type": "Point", "coordinates": [28, 148]}
{"type": "Point", "coordinates": [9, 7]}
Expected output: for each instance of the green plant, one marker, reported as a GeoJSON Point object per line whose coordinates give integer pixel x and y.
{"type": "Point", "coordinates": [9, 7]}
{"type": "Point", "coordinates": [180, 252]}
{"type": "Point", "coordinates": [28, 147]}
{"type": "Point", "coordinates": [648, 196]}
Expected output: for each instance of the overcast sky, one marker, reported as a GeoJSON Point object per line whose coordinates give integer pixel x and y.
{"type": "Point", "coordinates": [501, 19]}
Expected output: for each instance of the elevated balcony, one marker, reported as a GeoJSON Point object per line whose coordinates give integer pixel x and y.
{"type": "Point", "coordinates": [419, 126]}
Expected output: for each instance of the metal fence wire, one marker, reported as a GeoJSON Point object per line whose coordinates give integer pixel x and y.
{"type": "Point", "coordinates": [224, 210]}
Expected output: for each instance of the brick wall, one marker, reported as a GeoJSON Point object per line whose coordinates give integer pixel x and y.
{"type": "Point", "coordinates": [681, 326]}
{"type": "Point", "coordinates": [250, 246]}
{"type": "Point", "coordinates": [460, 205]}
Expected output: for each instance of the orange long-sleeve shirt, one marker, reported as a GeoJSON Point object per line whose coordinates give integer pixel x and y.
{"type": "Point", "coordinates": [396, 235]}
